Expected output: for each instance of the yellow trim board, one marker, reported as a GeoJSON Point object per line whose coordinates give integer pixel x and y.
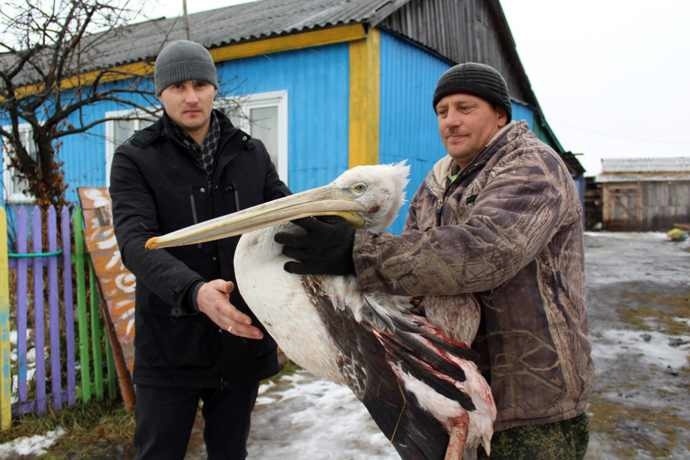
{"type": "Point", "coordinates": [365, 76]}
{"type": "Point", "coordinates": [122, 72]}
{"type": "Point", "coordinates": [329, 36]}
{"type": "Point", "coordinates": [5, 376]}
{"type": "Point", "coordinates": [297, 41]}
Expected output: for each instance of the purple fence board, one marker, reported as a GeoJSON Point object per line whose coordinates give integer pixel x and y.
{"type": "Point", "coordinates": [29, 407]}
{"type": "Point", "coordinates": [21, 305]}
{"type": "Point", "coordinates": [39, 322]}
{"type": "Point", "coordinates": [46, 379]}
{"type": "Point", "coordinates": [68, 299]}
{"type": "Point", "coordinates": [54, 319]}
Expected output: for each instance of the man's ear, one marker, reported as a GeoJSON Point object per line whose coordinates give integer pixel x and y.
{"type": "Point", "coordinates": [502, 117]}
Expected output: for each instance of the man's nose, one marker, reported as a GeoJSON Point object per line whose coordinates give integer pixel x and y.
{"type": "Point", "coordinates": [453, 119]}
{"type": "Point", "coordinates": [190, 96]}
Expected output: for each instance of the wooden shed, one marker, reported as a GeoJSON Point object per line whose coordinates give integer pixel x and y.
{"type": "Point", "coordinates": [645, 193]}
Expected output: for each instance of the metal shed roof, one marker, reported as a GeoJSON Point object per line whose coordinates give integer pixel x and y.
{"type": "Point", "coordinates": [670, 164]}
{"type": "Point", "coordinates": [644, 169]}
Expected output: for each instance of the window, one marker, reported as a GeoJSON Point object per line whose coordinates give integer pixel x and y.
{"type": "Point", "coordinates": [14, 186]}
{"type": "Point", "coordinates": [118, 131]}
{"type": "Point", "coordinates": [264, 116]}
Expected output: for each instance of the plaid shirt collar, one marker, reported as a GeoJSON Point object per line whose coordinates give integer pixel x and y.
{"type": "Point", "coordinates": [205, 153]}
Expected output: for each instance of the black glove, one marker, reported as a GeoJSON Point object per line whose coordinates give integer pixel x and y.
{"type": "Point", "coordinates": [325, 248]}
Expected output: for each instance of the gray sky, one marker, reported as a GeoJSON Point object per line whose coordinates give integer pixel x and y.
{"type": "Point", "coordinates": [612, 77]}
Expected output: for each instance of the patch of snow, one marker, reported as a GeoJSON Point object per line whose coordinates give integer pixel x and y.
{"type": "Point", "coordinates": [626, 257]}
{"type": "Point", "coordinates": [265, 387]}
{"type": "Point", "coordinates": [14, 336]}
{"type": "Point", "coordinates": [263, 400]}
{"type": "Point", "coordinates": [655, 350]}
{"type": "Point", "coordinates": [30, 445]}
{"type": "Point", "coordinates": [31, 357]}
{"type": "Point", "coordinates": [634, 236]}
{"type": "Point", "coordinates": [681, 320]}
{"type": "Point", "coordinates": [316, 419]}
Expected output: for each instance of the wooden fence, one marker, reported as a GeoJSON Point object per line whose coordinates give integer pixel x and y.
{"type": "Point", "coordinates": [52, 366]}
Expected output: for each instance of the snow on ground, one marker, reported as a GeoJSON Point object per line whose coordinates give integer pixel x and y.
{"type": "Point", "coordinates": [623, 257]}
{"type": "Point", "coordinates": [30, 445]}
{"type": "Point", "coordinates": [638, 286]}
{"type": "Point", "coordinates": [651, 347]}
{"type": "Point", "coordinates": [301, 416]}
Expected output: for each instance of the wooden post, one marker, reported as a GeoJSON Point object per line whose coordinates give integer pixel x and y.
{"type": "Point", "coordinates": [68, 301]}
{"type": "Point", "coordinates": [112, 374]}
{"type": "Point", "coordinates": [39, 320]}
{"type": "Point", "coordinates": [5, 375]}
{"type": "Point", "coordinates": [54, 309]}
{"type": "Point", "coordinates": [96, 334]}
{"type": "Point", "coordinates": [365, 76]}
{"type": "Point", "coordinates": [22, 308]}
{"type": "Point", "coordinates": [79, 259]}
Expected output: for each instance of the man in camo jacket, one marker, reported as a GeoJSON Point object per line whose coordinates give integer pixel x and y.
{"type": "Point", "coordinates": [495, 228]}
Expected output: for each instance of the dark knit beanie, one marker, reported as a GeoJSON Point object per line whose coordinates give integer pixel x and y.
{"type": "Point", "coordinates": [480, 80]}
{"type": "Point", "coordinates": [183, 60]}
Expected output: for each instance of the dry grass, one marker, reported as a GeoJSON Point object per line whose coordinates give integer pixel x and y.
{"type": "Point", "coordinates": [101, 429]}
{"type": "Point", "coordinates": [657, 312]}
{"type": "Point", "coordinates": [91, 430]}
{"type": "Point", "coordinates": [657, 439]}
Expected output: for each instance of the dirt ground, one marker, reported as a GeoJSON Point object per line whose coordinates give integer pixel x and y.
{"type": "Point", "coordinates": [639, 315]}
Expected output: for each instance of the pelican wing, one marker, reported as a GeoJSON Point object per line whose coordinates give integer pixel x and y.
{"type": "Point", "coordinates": [385, 350]}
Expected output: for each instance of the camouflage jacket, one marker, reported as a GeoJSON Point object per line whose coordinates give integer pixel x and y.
{"type": "Point", "coordinates": [504, 237]}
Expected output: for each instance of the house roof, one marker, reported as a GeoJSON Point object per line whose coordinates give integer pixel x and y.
{"type": "Point", "coordinates": [272, 18]}
{"type": "Point", "coordinates": [234, 24]}
{"type": "Point", "coordinates": [644, 169]}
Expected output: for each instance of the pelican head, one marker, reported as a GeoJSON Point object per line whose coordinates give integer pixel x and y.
{"type": "Point", "coordinates": [366, 196]}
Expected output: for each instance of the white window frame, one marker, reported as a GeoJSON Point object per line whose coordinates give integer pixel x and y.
{"type": "Point", "coordinates": [11, 195]}
{"type": "Point", "coordinates": [267, 99]}
{"type": "Point", "coordinates": [110, 146]}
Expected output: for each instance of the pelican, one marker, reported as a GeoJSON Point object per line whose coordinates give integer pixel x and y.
{"type": "Point", "coordinates": [415, 376]}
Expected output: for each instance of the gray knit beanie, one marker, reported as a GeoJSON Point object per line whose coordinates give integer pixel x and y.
{"type": "Point", "coordinates": [183, 60]}
{"type": "Point", "coordinates": [480, 80]}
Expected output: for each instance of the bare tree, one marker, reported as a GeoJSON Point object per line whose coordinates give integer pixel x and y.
{"type": "Point", "coordinates": [53, 66]}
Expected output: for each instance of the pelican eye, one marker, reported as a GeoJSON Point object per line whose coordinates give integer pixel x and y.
{"type": "Point", "coordinates": [359, 188]}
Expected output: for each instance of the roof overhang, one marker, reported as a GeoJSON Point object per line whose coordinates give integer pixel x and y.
{"type": "Point", "coordinates": [276, 44]}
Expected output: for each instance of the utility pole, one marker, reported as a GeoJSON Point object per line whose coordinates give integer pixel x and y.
{"type": "Point", "coordinates": [186, 19]}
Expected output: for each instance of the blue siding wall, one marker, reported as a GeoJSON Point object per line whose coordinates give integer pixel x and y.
{"type": "Point", "coordinates": [317, 82]}
{"type": "Point", "coordinates": [408, 128]}
{"type": "Point", "coordinates": [523, 112]}
{"type": "Point", "coordinates": [317, 85]}
{"type": "Point", "coordinates": [83, 155]}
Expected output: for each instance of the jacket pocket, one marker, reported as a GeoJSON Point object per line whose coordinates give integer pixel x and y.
{"type": "Point", "coordinates": [188, 341]}
{"type": "Point", "coordinates": [164, 340]}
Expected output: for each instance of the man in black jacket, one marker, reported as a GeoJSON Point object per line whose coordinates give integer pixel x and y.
{"type": "Point", "coordinates": [195, 337]}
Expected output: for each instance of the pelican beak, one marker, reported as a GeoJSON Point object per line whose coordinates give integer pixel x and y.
{"type": "Point", "coordinates": [322, 201]}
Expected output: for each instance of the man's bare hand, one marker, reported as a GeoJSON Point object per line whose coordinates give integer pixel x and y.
{"type": "Point", "coordinates": [212, 298]}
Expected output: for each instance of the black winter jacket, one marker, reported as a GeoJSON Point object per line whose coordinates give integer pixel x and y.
{"type": "Point", "coordinates": [156, 187]}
